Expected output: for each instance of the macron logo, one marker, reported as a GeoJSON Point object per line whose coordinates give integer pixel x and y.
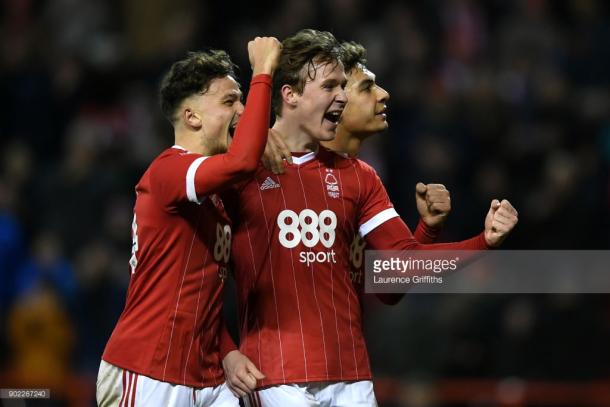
{"type": "Point", "coordinates": [269, 183]}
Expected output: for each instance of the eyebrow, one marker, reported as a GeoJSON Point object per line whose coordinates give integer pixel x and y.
{"type": "Point", "coordinates": [334, 82]}
{"type": "Point", "coordinates": [366, 84]}
{"type": "Point", "coordinates": [232, 95]}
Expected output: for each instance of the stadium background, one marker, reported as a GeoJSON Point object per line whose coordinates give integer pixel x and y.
{"type": "Point", "coordinates": [491, 98]}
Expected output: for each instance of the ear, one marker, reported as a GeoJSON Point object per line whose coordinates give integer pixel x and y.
{"type": "Point", "coordinates": [289, 96]}
{"type": "Point", "coordinates": [192, 119]}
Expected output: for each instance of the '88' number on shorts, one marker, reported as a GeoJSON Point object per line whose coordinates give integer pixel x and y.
{"type": "Point", "coordinates": [307, 227]}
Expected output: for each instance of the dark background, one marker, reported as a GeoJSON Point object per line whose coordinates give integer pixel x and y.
{"type": "Point", "coordinates": [494, 99]}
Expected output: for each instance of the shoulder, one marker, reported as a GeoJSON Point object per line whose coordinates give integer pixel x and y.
{"type": "Point", "coordinates": [176, 154]}
{"type": "Point", "coordinates": [363, 169]}
{"type": "Point", "coordinates": [174, 159]}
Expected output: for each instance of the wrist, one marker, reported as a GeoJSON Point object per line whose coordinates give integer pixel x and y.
{"type": "Point", "coordinates": [488, 245]}
{"type": "Point", "coordinates": [231, 352]}
{"type": "Point", "coordinates": [433, 226]}
{"type": "Point", "coordinates": [261, 78]}
{"type": "Point", "coordinates": [266, 70]}
{"type": "Point", "coordinates": [430, 228]}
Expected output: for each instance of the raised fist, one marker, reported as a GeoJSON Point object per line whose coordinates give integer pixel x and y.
{"type": "Point", "coordinates": [264, 54]}
{"type": "Point", "coordinates": [499, 222]}
{"type": "Point", "coordinates": [433, 203]}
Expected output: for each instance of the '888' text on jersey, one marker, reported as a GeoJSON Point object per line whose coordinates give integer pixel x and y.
{"type": "Point", "coordinates": [299, 310]}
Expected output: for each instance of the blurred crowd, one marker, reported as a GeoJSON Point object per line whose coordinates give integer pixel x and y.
{"type": "Point", "coordinates": [494, 99]}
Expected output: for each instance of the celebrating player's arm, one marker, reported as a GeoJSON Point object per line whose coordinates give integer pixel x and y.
{"type": "Point", "coordinates": [212, 173]}
{"type": "Point", "coordinates": [383, 229]}
{"type": "Point", "coordinates": [433, 203]}
{"type": "Point", "coordinates": [242, 160]}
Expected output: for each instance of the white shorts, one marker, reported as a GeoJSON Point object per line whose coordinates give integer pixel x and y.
{"type": "Point", "coordinates": [315, 394]}
{"type": "Point", "coordinates": [117, 387]}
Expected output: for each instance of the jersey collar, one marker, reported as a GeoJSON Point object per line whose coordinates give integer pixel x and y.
{"type": "Point", "coordinates": [304, 158]}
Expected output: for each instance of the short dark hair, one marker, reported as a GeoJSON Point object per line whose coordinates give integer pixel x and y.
{"type": "Point", "coordinates": [354, 54]}
{"type": "Point", "coordinates": [302, 49]}
{"type": "Point", "coordinates": [192, 75]}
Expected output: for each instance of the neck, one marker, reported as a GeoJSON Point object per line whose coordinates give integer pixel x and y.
{"type": "Point", "coordinates": [345, 142]}
{"type": "Point", "coordinates": [295, 138]}
{"type": "Point", "coordinates": [191, 141]}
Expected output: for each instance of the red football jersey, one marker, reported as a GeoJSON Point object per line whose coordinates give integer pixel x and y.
{"type": "Point", "coordinates": [300, 314]}
{"type": "Point", "coordinates": [299, 311]}
{"type": "Point", "coordinates": [171, 326]}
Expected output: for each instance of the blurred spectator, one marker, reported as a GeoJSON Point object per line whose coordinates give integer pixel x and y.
{"type": "Point", "coordinates": [47, 266]}
{"type": "Point", "coordinates": [41, 338]}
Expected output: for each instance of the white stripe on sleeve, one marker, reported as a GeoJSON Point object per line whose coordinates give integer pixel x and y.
{"type": "Point", "coordinates": [377, 220]}
{"type": "Point", "coordinates": [191, 193]}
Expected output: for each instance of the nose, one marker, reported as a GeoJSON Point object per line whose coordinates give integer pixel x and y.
{"type": "Point", "coordinates": [383, 95]}
{"type": "Point", "coordinates": [341, 96]}
{"type": "Point", "coordinates": [239, 108]}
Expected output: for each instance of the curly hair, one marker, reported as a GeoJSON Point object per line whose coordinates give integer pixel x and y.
{"type": "Point", "coordinates": [305, 48]}
{"type": "Point", "coordinates": [190, 76]}
{"type": "Point", "coordinates": [354, 54]}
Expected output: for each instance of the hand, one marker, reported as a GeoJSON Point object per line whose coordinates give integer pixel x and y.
{"type": "Point", "coordinates": [264, 54]}
{"type": "Point", "coordinates": [276, 151]}
{"type": "Point", "coordinates": [240, 372]}
{"type": "Point", "coordinates": [500, 220]}
{"type": "Point", "coordinates": [433, 204]}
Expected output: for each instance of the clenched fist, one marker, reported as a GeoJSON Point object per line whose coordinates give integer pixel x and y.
{"type": "Point", "coordinates": [500, 220]}
{"type": "Point", "coordinates": [433, 203]}
{"type": "Point", "coordinates": [264, 54]}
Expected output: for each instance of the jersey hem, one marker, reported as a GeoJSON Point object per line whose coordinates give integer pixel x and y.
{"type": "Point", "coordinates": [170, 380]}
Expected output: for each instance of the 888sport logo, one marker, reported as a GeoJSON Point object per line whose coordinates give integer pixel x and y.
{"type": "Point", "coordinates": [309, 228]}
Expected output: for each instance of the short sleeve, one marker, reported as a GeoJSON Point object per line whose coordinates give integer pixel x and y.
{"type": "Point", "coordinates": [375, 206]}
{"type": "Point", "coordinates": [172, 179]}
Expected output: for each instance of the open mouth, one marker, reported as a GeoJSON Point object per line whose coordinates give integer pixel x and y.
{"type": "Point", "coordinates": [333, 116]}
{"type": "Point", "coordinates": [232, 128]}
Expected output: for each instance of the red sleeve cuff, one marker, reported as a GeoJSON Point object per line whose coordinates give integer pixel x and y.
{"type": "Point", "coordinates": [262, 78]}
{"type": "Point", "coordinates": [482, 243]}
{"type": "Point", "coordinates": [425, 234]}
{"type": "Point", "coordinates": [226, 344]}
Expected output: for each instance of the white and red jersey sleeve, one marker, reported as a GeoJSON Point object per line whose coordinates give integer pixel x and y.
{"type": "Point", "coordinates": [383, 229]}
{"type": "Point", "coordinates": [189, 176]}
{"type": "Point", "coordinates": [376, 209]}
{"type": "Point", "coordinates": [375, 205]}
